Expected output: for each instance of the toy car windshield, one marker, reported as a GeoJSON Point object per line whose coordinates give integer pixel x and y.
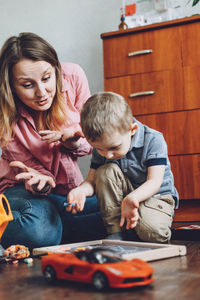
{"type": "Point", "coordinates": [98, 256]}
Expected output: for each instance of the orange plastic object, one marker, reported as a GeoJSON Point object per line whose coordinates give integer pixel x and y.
{"type": "Point", "coordinates": [130, 9]}
{"type": "Point", "coordinates": [5, 213]}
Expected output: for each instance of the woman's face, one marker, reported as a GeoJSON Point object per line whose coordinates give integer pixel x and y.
{"type": "Point", "coordinates": [34, 83]}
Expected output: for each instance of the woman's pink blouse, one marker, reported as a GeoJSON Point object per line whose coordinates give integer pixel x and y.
{"type": "Point", "coordinates": [50, 159]}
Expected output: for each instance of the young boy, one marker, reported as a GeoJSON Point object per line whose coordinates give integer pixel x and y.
{"type": "Point", "coordinates": [130, 171]}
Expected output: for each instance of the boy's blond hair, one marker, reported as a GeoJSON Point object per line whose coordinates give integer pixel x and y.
{"type": "Point", "coordinates": [105, 113]}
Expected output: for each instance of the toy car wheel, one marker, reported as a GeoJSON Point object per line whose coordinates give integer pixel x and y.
{"type": "Point", "coordinates": [100, 281]}
{"type": "Point", "coordinates": [50, 274]}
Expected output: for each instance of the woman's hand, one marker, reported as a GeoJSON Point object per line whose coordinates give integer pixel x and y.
{"type": "Point", "coordinates": [34, 180]}
{"type": "Point", "coordinates": [69, 137]}
{"type": "Point", "coordinates": [51, 136]}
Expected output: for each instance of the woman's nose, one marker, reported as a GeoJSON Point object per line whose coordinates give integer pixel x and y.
{"type": "Point", "coordinates": [40, 90]}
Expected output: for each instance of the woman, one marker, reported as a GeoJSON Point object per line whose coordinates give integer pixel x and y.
{"type": "Point", "coordinates": [41, 139]}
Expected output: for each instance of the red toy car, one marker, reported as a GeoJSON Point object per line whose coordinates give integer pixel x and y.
{"type": "Point", "coordinates": [99, 266]}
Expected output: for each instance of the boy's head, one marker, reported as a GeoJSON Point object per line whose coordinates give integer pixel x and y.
{"type": "Point", "coordinates": [107, 124]}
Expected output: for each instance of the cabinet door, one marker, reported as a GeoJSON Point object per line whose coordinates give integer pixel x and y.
{"type": "Point", "coordinates": [150, 92]}
{"type": "Point", "coordinates": [128, 54]}
{"type": "Point", "coordinates": [180, 129]}
{"type": "Point", "coordinates": [186, 170]}
{"type": "Point", "coordinates": [190, 41]}
{"type": "Point", "coordinates": [191, 80]}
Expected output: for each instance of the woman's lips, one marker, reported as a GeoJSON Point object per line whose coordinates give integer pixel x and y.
{"type": "Point", "coordinates": [42, 102]}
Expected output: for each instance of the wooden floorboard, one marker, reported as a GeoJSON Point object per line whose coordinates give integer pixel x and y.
{"type": "Point", "coordinates": [176, 278]}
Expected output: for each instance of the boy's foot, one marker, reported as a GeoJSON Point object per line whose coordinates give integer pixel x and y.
{"type": "Point", "coordinates": [115, 236]}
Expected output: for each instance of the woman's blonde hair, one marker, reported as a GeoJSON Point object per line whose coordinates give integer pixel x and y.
{"type": "Point", "coordinates": [105, 113]}
{"type": "Point", "coordinates": [31, 46]}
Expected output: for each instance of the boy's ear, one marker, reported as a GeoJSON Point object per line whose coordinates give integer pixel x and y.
{"type": "Point", "coordinates": [134, 128]}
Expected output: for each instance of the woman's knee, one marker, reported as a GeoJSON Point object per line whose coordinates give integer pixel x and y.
{"type": "Point", "coordinates": [36, 223]}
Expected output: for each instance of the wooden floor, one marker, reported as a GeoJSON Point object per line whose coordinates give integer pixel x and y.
{"type": "Point", "coordinates": [175, 279]}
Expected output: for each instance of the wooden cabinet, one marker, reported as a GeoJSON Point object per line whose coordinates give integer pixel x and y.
{"type": "Point", "coordinates": [157, 69]}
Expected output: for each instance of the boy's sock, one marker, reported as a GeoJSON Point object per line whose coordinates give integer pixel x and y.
{"type": "Point", "coordinates": [115, 236]}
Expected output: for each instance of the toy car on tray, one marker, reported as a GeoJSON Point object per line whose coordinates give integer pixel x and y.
{"type": "Point", "coordinates": [101, 267]}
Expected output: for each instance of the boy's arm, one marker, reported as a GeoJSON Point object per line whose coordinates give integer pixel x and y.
{"type": "Point", "coordinates": [130, 204]}
{"type": "Point", "coordinates": [76, 197]}
{"type": "Point", "coordinates": [151, 186]}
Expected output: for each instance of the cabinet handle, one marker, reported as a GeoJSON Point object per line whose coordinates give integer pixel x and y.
{"type": "Point", "coordinates": [139, 94]}
{"type": "Point", "coordinates": [141, 52]}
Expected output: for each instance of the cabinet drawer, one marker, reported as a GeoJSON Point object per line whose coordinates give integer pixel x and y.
{"type": "Point", "coordinates": [165, 55]}
{"type": "Point", "coordinates": [186, 169]}
{"type": "Point", "coordinates": [190, 44]}
{"type": "Point", "coordinates": [162, 83]}
{"type": "Point", "coordinates": [180, 129]}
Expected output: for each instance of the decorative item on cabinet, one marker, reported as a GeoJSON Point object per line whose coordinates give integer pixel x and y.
{"type": "Point", "coordinates": [123, 25]}
{"type": "Point", "coordinates": [157, 70]}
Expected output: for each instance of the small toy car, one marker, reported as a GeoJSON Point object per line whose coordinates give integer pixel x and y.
{"type": "Point", "coordinates": [99, 266]}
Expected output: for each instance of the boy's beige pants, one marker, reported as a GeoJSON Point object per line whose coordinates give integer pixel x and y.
{"type": "Point", "coordinates": [155, 213]}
